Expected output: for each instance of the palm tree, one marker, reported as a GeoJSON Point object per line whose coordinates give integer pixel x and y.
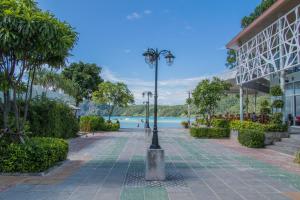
{"type": "Point", "coordinates": [149, 95]}
{"type": "Point", "coordinates": [54, 81]}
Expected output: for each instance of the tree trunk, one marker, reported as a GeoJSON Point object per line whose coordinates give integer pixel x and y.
{"type": "Point", "coordinates": [110, 112]}
{"type": "Point", "coordinates": [16, 110]}
{"type": "Point", "coordinates": [27, 100]}
{"type": "Point", "coordinates": [6, 108]}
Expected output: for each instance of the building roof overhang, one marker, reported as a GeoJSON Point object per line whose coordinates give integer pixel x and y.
{"type": "Point", "coordinates": [278, 9]}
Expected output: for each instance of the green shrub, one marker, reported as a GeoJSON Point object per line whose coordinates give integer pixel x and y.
{"type": "Point", "coordinates": [276, 127]}
{"type": "Point", "coordinates": [297, 159]}
{"type": "Point", "coordinates": [238, 125]}
{"type": "Point", "coordinates": [265, 107]}
{"type": "Point", "coordinates": [97, 123]}
{"type": "Point", "coordinates": [217, 123]}
{"type": "Point", "coordinates": [272, 127]}
{"type": "Point", "coordinates": [205, 132]}
{"type": "Point", "coordinates": [276, 91]}
{"type": "Point", "coordinates": [91, 123]}
{"type": "Point", "coordinates": [277, 103]}
{"type": "Point", "coordinates": [185, 124]}
{"type": "Point", "coordinates": [109, 126]}
{"type": "Point", "coordinates": [276, 118]}
{"type": "Point", "coordinates": [36, 155]}
{"type": "Point", "coordinates": [220, 123]}
{"type": "Point", "coordinates": [200, 121]}
{"type": "Point", "coordinates": [251, 138]}
{"type": "Point", "coordinates": [49, 118]}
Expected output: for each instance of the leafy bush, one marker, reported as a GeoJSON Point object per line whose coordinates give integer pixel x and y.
{"type": "Point", "coordinates": [220, 123]}
{"type": "Point", "coordinates": [278, 103]}
{"type": "Point", "coordinates": [91, 123]}
{"type": "Point", "coordinates": [276, 91]}
{"type": "Point", "coordinates": [97, 123]}
{"type": "Point", "coordinates": [272, 127]}
{"type": "Point", "coordinates": [200, 121]}
{"type": "Point", "coordinates": [36, 155]}
{"type": "Point", "coordinates": [204, 132]}
{"type": "Point", "coordinates": [259, 10]}
{"type": "Point", "coordinates": [238, 125]}
{"type": "Point", "coordinates": [276, 127]}
{"type": "Point", "coordinates": [251, 138]}
{"type": "Point", "coordinates": [49, 118]}
{"type": "Point", "coordinates": [217, 123]}
{"type": "Point", "coordinates": [297, 159]}
{"type": "Point", "coordinates": [276, 118]}
{"type": "Point", "coordinates": [265, 107]}
{"type": "Point", "coordinates": [109, 126]}
{"type": "Point", "coordinates": [185, 124]}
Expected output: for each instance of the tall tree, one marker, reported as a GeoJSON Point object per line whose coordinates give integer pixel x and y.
{"type": "Point", "coordinates": [29, 38]}
{"type": "Point", "coordinates": [207, 95]}
{"type": "Point", "coordinates": [231, 59]}
{"type": "Point", "coordinates": [246, 21]}
{"type": "Point", "coordinates": [86, 76]}
{"type": "Point", "coordinates": [51, 80]}
{"type": "Point", "coordinates": [114, 95]}
{"type": "Point", "coordinates": [259, 10]}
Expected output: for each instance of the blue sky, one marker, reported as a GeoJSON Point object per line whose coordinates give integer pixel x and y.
{"type": "Point", "coordinates": [114, 34]}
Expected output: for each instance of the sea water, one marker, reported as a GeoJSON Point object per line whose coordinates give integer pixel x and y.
{"type": "Point", "coordinates": [138, 122]}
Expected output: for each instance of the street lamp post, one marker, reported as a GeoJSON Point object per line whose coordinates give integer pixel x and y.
{"type": "Point", "coordinates": [155, 161]}
{"type": "Point", "coordinates": [189, 108]}
{"type": "Point", "coordinates": [148, 94]}
{"type": "Point", "coordinates": [151, 57]}
{"type": "Point", "coordinates": [146, 113]}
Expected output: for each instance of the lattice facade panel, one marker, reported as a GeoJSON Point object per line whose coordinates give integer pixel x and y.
{"type": "Point", "coordinates": [273, 49]}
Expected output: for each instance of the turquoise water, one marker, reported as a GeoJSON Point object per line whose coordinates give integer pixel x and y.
{"type": "Point", "coordinates": [162, 122]}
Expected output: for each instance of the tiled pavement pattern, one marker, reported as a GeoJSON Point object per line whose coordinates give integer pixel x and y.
{"type": "Point", "coordinates": [111, 166]}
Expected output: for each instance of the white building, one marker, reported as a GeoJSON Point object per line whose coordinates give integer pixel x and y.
{"type": "Point", "coordinates": [268, 53]}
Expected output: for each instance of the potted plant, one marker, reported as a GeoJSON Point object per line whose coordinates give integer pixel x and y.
{"type": "Point", "coordinates": [185, 124]}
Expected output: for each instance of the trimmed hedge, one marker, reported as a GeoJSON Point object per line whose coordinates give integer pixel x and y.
{"type": "Point", "coordinates": [205, 132]}
{"type": "Point", "coordinates": [36, 155]}
{"type": "Point", "coordinates": [217, 123]}
{"type": "Point", "coordinates": [238, 125]}
{"type": "Point", "coordinates": [91, 123]}
{"type": "Point", "coordinates": [297, 159]}
{"type": "Point", "coordinates": [251, 138]}
{"type": "Point", "coordinates": [276, 127]}
{"type": "Point", "coordinates": [49, 118]}
{"type": "Point", "coordinates": [97, 123]}
{"type": "Point", "coordinates": [109, 126]}
{"type": "Point", "coordinates": [220, 123]}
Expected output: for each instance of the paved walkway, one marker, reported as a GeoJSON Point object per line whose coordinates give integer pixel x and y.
{"type": "Point", "coordinates": [111, 166]}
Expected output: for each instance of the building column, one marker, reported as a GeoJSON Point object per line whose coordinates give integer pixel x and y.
{"type": "Point", "coordinates": [282, 86]}
{"type": "Point", "coordinates": [255, 98]}
{"type": "Point", "coordinates": [241, 104]}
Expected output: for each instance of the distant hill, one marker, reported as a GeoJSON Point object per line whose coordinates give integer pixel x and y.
{"type": "Point", "coordinates": [133, 110]}
{"type": "Point", "coordinates": [228, 104]}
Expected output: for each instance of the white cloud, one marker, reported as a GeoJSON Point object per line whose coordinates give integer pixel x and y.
{"type": "Point", "coordinates": [107, 75]}
{"type": "Point", "coordinates": [171, 91]}
{"type": "Point", "coordinates": [134, 16]}
{"type": "Point", "coordinates": [147, 12]}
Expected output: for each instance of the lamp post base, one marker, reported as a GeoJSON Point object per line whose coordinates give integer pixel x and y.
{"type": "Point", "coordinates": [155, 165]}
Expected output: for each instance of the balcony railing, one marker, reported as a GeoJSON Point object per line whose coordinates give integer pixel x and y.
{"type": "Point", "coordinates": [273, 49]}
